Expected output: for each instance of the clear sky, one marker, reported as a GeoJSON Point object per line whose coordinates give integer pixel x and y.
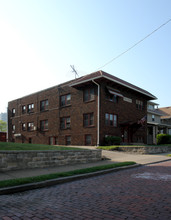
{"type": "Point", "coordinates": [40, 39]}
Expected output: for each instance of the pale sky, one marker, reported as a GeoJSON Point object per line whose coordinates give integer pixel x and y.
{"type": "Point", "coordinates": [40, 39]}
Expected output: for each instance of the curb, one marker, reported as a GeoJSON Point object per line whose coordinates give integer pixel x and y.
{"type": "Point", "coordinates": [30, 186]}
{"type": "Point", "coordinates": [160, 161]}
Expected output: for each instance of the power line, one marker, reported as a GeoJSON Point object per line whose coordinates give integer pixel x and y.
{"type": "Point", "coordinates": [130, 48]}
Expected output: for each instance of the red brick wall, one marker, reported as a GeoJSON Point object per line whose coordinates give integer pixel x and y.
{"type": "Point", "coordinates": [55, 112]}
{"type": "Point", "coordinates": [125, 111]}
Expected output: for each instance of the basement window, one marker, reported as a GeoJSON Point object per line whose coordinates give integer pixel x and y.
{"type": "Point", "coordinates": [68, 140]}
{"type": "Point", "coordinates": [88, 139]}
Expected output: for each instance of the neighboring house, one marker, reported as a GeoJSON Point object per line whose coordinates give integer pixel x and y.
{"type": "Point", "coordinates": [153, 122]}
{"type": "Point", "coordinates": [81, 112]}
{"type": "Point", "coordinates": [165, 120]}
{"type": "Point", "coordinates": [158, 121]}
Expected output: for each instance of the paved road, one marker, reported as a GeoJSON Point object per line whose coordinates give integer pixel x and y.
{"type": "Point", "coordinates": [139, 193]}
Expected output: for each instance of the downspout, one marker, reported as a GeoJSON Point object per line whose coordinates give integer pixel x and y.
{"type": "Point", "coordinates": [98, 112]}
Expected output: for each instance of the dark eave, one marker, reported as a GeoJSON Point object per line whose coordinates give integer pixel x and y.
{"type": "Point", "coordinates": [101, 74]}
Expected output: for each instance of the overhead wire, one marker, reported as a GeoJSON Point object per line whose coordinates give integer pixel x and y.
{"type": "Point", "coordinates": [130, 48]}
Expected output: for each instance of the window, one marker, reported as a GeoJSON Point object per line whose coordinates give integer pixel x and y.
{"type": "Point", "coordinates": [151, 107]}
{"type": "Point", "coordinates": [88, 119]}
{"type": "Point", "coordinates": [169, 131]}
{"type": "Point", "coordinates": [53, 140]}
{"type": "Point", "coordinates": [30, 126]}
{"type": "Point", "coordinates": [30, 141]}
{"type": "Point", "coordinates": [13, 127]}
{"type": "Point", "coordinates": [139, 104]}
{"type": "Point", "coordinates": [65, 100]}
{"type": "Point", "coordinates": [44, 105]}
{"type": "Point", "coordinates": [88, 94]}
{"type": "Point", "coordinates": [153, 117]}
{"type": "Point", "coordinates": [111, 120]}
{"type": "Point", "coordinates": [68, 140]}
{"type": "Point", "coordinates": [23, 109]}
{"type": "Point", "coordinates": [112, 98]}
{"type": "Point", "coordinates": [88, 139]}
{"type": "Point", "coordinates": [13, 112]}
{"type": "Point", "coordinates": [44, 125]}
{"type": "Point", "coordinates": [65, 123]}
{"type": "Point", "coordinates": [23, 126]}
{"type": "Point", "coordinates": [30, 108]}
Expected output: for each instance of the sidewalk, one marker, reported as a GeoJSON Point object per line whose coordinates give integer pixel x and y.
{"type": "Point", "coordinates": [113, 156]}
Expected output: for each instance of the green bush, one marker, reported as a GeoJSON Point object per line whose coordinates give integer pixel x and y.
{"type": "Point", "coordinates": [163, 139]}
{"type": "Point", "coordinates": [112, 140]}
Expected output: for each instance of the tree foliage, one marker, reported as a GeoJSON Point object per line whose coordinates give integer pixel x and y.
{"type": "Point", "coordinates": [3, 126]}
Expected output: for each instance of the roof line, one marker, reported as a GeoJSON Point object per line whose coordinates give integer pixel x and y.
{"type": "Point", "coordinates": [115, 80]}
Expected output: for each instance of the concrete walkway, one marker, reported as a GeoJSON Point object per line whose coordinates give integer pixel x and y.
{"type": "Point", "coordinates": [111, 156]}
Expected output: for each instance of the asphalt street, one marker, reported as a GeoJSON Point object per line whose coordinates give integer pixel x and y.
{"type": "Point", "coordinates": [139, 193]}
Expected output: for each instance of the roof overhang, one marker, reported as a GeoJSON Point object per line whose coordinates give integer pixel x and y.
{"type": "Point", "coordinates": [154, 112]}
{"type": "Point", "coordinates": [128, 85]}
{"type": "Point", "coordinates": [114, 92]}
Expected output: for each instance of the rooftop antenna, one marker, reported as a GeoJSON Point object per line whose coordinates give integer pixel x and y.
{"type": "Point", "coordinates": [74, 71]}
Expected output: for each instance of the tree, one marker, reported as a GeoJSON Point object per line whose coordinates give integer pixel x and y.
{"type": "Point", "coordinates": [3, 126]}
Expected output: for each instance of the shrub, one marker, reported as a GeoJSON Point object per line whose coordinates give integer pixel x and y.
{"type": "Point", "coordinates": [112, 140]}
{"type": "Point", "coordinates": [163, 139]}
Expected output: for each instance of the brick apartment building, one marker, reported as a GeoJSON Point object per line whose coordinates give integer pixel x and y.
{"type": "Point", "coordinates": [81, 112]}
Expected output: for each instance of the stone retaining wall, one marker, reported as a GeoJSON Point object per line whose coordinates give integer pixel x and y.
{"type": "Point", "coordinates": [146, 149]}
{"type": "Point", "coordinates": [14, 160]}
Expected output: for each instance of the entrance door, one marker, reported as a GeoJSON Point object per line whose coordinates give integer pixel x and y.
{"type": "Point", "coordinates": [126, 135]}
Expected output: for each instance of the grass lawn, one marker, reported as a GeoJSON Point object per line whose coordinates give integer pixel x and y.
{"type": "Point", "coordinates": [16, 182]}
{"type": "Point", "coordinates": [24, 146]}
{"type": "Point", "coordinates": [116, 147]}
{"type": "Point", "coordinates": [108, 147]}
{"type": "Point", "coordinates": [169, 155]}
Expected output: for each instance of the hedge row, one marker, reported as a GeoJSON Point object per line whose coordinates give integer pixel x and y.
{"type": "Point", "coordinates": [163, 139]}
{"type": "Point", "coordinates": [112, 140]}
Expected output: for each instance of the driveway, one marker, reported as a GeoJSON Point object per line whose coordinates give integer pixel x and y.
{"type": "Point", "coordinates": [139, 193]}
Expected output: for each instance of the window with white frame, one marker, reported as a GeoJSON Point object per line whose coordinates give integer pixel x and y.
{"type": "Point", "coordinates": [153, 117]}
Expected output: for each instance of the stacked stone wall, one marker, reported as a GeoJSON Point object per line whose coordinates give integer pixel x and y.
{"type": "Point", "coordinates": [14, 160]}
